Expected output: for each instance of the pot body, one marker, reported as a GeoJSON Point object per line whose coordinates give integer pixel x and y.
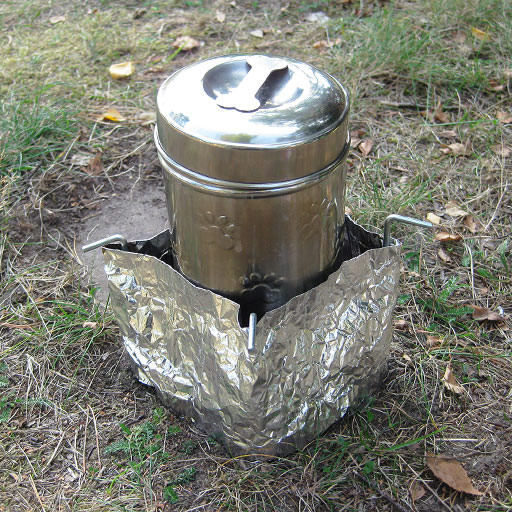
{"type": "Point", "coordinates": [253, 149]}
{"type": "Point", "coordinates": [261, 246]}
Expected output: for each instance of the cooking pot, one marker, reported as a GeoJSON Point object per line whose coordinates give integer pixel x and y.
{"type": "Point", "coordinates": [253, 149]}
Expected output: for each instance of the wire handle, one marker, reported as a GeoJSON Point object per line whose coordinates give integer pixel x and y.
{"type": "Point", "coordinates": [105, 241]}
{"type": "Point", "coordinates": [404, 220]}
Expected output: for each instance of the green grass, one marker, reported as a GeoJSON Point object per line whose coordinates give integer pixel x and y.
{"type": "Point", "coordinates": [33, 133]}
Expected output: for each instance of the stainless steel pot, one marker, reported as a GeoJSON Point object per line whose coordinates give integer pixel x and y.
{"type": "Point", "coordinates": [253, 149]}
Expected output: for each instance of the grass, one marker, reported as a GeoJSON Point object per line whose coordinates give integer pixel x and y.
{"type": "Point", "coordinates": [77, 432]}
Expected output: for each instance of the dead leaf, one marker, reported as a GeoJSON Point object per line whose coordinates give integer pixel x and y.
{"type": "Point", "coordinates": [450, 382]}
{"type": "Point", "coordinates": [495, 86]}
{"type": "Point", "coordinates": [501, 150]}
{"type": "Point", "coordinates": [356, 137]}
{"type": "Point", "coordinates": [471, 224]}
{"type": "Point", "coordinates": [408, 359]}
{"type": "Point", "coordinates": [187, 43]}
{"type": "Point", "coordinates": [220, 16]}
{"type": "Point", "coordinates": [257, 33]}
{"type": "Point", "coordinates": [432, 217]}
{"type": "Point", "coordinates": [443, 255]}
{"type": "Point", "coordinates": [95, 166]}
{"type": "Point", "coordinates": [317, 17]}
{"type": "Point", "coordinates": [92, 325]}
{"type": "Point", "coordinates": [81, 159]}
{"type": "Point", "coordinates": [112, 114]}
{"type": "Point", "coordinates": [448, 134]}
{"type": "Point", "coordinates": [504, 117]}
{"type": "Point", "coordinates": [456, 149]}
{"type": "Point", "coordinates": [417, 491]}
{"type": "Point", "coordinates": [323, 44]}
{"type": "Point", "coordinates": [138, 13]}
{"type": "Point", "coordinates": [459, 37]}
{"type": "Point", "coordinates": [481, 314]}
{"type": "Point", "coordinates": [439, 115]}
{"type": "Point", "coordinates": [401, 325]}
{"type": "Point", "coordinates": [480, 34]}
{"type": "Point", "coordinates": [121, 70]}
{"type": "Point", "coordinates": [365, 147]}
{"type": "Point", "coordinates": [434, 341]}
{"type": "Point", "coordinates": [147, 117]}
{"type": "Point", "coordinates": [453, 210]}
{"type": "Point", "coordinates": [443, 236]}
{"type": "Point", "coordinates": [57, 19]}
{"type": "Point", "coordinates": [450, 472]}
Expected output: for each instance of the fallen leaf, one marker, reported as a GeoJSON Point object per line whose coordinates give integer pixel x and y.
{"type": "Point", "coordinates": [443, 236]}
{"type": "Point", "coordinates": [456, 149]}
{"type": "Point", "coordinates": [501, 150]}
{"type": "Point", "coordinates": [354, 141]}
{"type": "Point", "coordinates": [186, 43]}
{"type": "Point", "coordinates": [57, 19]}
{"type": "Point", "coordinates": [81, 159]}
{"type": "Point", "coordinates": [257, 33]}
{"type": "Point", "coordinates": [138, 13]}
{"type": "Point", "coordinates": [439, 115]}
{"type": "Point", "coordinates": [480, 34]}
{"type": "Point", "coordinates": [504, 117]}
{"type": "Point", "coordinates": [450, 382]}
{"type": "Point", "coordinates": [112, 114]}
{"type": "Point", "coordinates": [471, 224]}
{"type": "Point", "coordinates": [323, 44]}
{"type": "Point", "coordinates": [317, 17]}
{"type": "Point", "coordinates": [408, 359]}
{"type": "Point", "coordinates": [450, 472]}
{"type": "Point", "coordinates": [443, 255]}
{"type": "Point", "coordinates": [453, 210]}
{"type": "Point", "coordinates": [434, 341]}
{"type": "Point", "coordinates": [459, 37]}
{"type": "Point", "coordinates": [220, 16]}
{"type": "Point", "coordinates": [495, 86]}
{"type": "Point", "coordinates": [147, 117]}
{"type": "Point", "coordinates": [95, 166]}
{"type": "Point", "coordinates": [432, 217]}
{"type": "Point", "coordinates": [448, 134]}
{"type": "Point", "coordinates": [401, 325]}
{"type": "Point", "coordinates": [480, 314]}
{"type": "Point", "coordinates": [365, 147]}
{"type": "Point", "coordinates": [417, 491]}
{"type": "Point", "coordinates": [92, 325]}
{"type": "Point", "coordinates": [121, 70]}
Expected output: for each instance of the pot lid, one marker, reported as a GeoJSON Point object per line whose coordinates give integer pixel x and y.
{"type": "Point", "coordinates": [252, 118]}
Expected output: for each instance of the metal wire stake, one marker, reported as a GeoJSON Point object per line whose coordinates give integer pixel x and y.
{"type": "Point", "coordinates": [105, 241]}
{"type": "Point", "coordinates": [404, 220]}
{"type": "Point", "coordinates": [252, 331]}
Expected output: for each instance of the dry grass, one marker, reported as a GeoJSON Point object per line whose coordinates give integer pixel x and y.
{"type": "Point", "coordinates": [77, 432]}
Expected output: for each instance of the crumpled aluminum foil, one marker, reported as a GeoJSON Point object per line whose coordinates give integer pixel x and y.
{"type": "Point", "coordinates": [314, 357]}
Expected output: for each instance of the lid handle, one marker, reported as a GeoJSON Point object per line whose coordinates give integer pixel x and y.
{"type": "Point", "coordinates": [243, 97]}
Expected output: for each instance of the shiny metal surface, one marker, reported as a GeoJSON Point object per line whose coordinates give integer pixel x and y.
{"type": "Point", "coordinates": [257, 246]}
{"type": "Point", "coordinates": [253, 149]}
{"type": "Point", "coordinates": [312, 359]}
{"type": "Point", "coordinates": [299, 127]}
{"type": "Point", "coordinates": [247, 96]}
{"type": "Point", "coordinates": [390, 219]}
{"type": "Point", "coordinates": [105, 241]}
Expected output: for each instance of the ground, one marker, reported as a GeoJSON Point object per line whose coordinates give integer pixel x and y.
{"type": "Point", "coordinates": [431, 123]}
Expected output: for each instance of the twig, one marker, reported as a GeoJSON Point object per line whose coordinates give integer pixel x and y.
{"type": "Point", "coordinates": [36, 493]}
{"type": "Point", "coordinates": [97, 437]}
{"type": "Point", "coordinates": [384, 494]}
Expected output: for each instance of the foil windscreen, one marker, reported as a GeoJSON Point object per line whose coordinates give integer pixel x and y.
{"type": "Point", "coordinates": [313, 357]}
